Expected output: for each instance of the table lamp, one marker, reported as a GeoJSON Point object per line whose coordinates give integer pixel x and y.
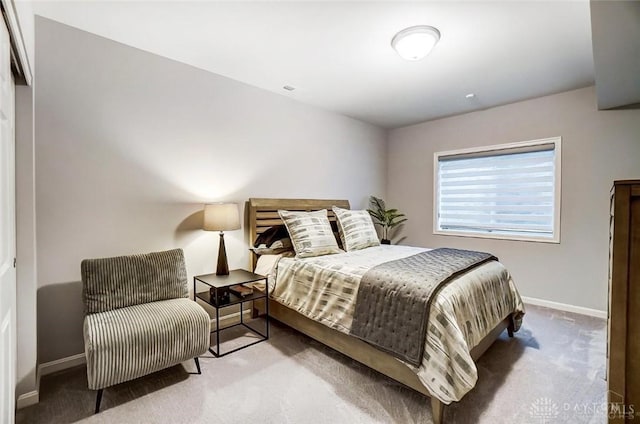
{"type": "Point", "coordinates": [221, 217]}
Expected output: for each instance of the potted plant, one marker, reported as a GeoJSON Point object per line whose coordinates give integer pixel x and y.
{"type": "Point", "coordinates": [388, 219]}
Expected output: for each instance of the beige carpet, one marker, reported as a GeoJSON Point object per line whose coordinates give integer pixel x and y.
{"type": "Point", "coordinates": [551, 372]}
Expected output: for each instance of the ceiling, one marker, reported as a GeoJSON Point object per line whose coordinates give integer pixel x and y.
{"type": "Point", "coordinates": [616, 52]}
{"type": "Point", "coordinates": [338, 55]}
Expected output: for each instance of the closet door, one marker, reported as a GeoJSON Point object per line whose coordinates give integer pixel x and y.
{"type": "Point", "coordinates": [7, 234]}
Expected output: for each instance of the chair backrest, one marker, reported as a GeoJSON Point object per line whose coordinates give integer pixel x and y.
{"type": "Point", "coordinates": [112, 283]}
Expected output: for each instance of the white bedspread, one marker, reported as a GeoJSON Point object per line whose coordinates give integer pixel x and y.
{"type": "Point", "coordinates": [324, 289]}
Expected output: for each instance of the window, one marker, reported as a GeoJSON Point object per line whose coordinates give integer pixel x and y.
{"type": "Point", "coordinates": [509, 191]}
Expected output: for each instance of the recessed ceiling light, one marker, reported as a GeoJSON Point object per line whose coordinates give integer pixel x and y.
{"type": "Point", "coordinates": [289, 88]}
{"type": "Point", "coordinates": [415, 42]}
{"type": "Point", "coordinates": [470, 96]}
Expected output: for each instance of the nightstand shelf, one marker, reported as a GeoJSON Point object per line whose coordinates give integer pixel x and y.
{"type": "Point", "coordinates": [219, 296]}
{"type": "Point", "coordinates": [205, 296]}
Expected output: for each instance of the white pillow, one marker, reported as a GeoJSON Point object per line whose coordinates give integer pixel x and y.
{"type": "Point", "coordinates": [310, 233]}
{"type": "Point", "coordinates": [356, 229]}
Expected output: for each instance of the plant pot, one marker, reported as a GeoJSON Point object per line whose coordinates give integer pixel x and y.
{"type": "Point", "coordinates": [385, 241]}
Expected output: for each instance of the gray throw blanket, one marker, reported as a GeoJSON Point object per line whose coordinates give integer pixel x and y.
{"type": "Point", "coordinates": [393, 301]}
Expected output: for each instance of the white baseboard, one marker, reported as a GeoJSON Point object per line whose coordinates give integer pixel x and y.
{"type": "Point", "coordinates": [565, 307]}
{"type": "Point", "coordinates": [61, 364]}
{"type": "Point", "coordinates": [28, 399]}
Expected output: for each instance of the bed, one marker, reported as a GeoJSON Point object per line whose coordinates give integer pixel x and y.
{"type": "Point", "coordinates": [330, 327]}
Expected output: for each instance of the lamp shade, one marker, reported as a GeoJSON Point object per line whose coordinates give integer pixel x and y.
{"type": "Point", "coordinates": [221, 217]}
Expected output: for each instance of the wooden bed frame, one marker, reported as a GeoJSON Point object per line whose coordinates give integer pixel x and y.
{"type": "Point", "coordinates": [263, 213]}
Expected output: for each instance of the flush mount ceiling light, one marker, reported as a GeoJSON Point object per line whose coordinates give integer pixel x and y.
{"type": "Point", "coordinates": [415, 42]}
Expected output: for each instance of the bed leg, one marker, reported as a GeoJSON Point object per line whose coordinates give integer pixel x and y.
{"type": "Point", "coordinates": [437, 410]}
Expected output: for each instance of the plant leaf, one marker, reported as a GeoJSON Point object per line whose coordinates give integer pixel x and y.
{"type": "Point", "coordinates": [386, 218]}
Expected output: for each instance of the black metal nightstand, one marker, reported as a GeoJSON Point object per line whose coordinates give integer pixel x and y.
{"type": "Point", "coordinates": [220, 295]}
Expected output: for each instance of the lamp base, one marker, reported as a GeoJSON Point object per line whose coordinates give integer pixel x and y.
{"type": "Point", "coordinates": [223, 266]}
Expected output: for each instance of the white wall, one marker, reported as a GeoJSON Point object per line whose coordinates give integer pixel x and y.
{"type": "Point", "coordinates": [598, 147]}
{"type": "Point", "coordinates": [130, 145]}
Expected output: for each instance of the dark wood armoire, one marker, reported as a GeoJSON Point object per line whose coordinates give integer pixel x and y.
{"type": "Point", "coordinates": [623, 367]}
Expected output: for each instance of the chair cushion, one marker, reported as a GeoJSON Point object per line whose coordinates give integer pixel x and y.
{"type": "Point", "coordinates": [118, 282]}
{"type": "Point", "coordinates": [127, 343]}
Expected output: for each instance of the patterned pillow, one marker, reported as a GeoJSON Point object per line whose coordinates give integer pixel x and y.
{"type": "Point", "coordinates": [310, 233]}
{"type": "Point", "coordinates": [356, 229]}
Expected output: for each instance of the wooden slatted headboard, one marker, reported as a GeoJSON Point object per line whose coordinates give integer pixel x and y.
{"type": "Point", "coordinates": [263, 213]}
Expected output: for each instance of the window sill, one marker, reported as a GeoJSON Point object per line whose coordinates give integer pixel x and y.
{"type": "Point", "coordinates": [554, 240]}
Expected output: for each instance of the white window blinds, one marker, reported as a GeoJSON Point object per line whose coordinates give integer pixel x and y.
{"type": "Point", "coordinates": [507, 192]}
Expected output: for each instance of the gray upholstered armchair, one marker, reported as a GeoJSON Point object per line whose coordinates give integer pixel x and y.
{"type": "Point", "coordinates": [138, 317]}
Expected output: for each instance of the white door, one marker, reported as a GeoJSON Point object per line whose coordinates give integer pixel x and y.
{"type": "Point", "coordinates": [7, 235]}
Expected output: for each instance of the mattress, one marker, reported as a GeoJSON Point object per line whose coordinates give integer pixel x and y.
{"type": "Point", "coordinates": [324, 288]}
